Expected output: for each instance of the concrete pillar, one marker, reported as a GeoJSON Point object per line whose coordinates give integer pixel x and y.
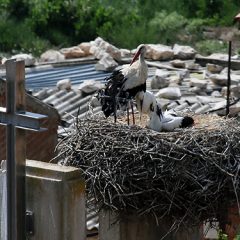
{"type": "Point", "coordinates": [132, 227]}
{"type": "Point", "coordinates": [56, 196]}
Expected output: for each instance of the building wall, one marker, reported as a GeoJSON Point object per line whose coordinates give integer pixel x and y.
{"type": "Point", "coordinates": [40, 145]}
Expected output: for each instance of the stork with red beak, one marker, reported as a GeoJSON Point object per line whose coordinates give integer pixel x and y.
{"type": "Point", "coordinates": [123, 85]}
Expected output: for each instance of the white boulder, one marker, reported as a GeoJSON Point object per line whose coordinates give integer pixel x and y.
{"type": "Point", "coordinates": [193, 66]}
{"type": "Point", "coordinates": [3, 60]}
{"type": "Point", "coordinates": [160, 79]}
{"type": "Point", "coordinates": [64, 84]}
{"type": "Point", "coordinates": [28, 58]}
{"type": "Point", "coordinates": [85, 46]}
{"type": "Point", "coordinates": [90, 86]}
{"type": "Point", "coordinates": [99, 45]}
{"type": "Point", "coordinates": [159, 52]}
{"type": "Point", "coordinates": [106, 63]}
{"type": "Point", "coordinates": [183, 74]}
{"type": "Point", "coordinates": [220, 56]}
{"type": "Point", "coordinates": [73, 52]}
{"type": "Point", "coordinates": [178, 63]}
{"type": "Point", "coordinates": [234, 91]}
{"type": "Point", "coordinates": [195, 82]}
{"type": "Point", "coordinates": [125, 53]}
{"type": "Point", "coordinates": [52, 56]}
{"type": "Point", "coordinates": [97, 52]}
{"type": "Point", "coordinates": [216, 94]}
{"type": "Point", "coordinates": [171, 93]}
{"type": "Point", "coordinates": [222, 79]}
{"type": "Point", "coordinates": [184, 52]}
{"type": "Point", "coordinates": [214, 68]}
{"type": "Point", "coordinates": [196, 90]}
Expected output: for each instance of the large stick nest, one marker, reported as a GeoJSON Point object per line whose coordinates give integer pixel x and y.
{"type": "Point", "coordinates": [190, 175]}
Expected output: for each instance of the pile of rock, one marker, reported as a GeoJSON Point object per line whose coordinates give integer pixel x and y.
{"type": "Point", "coordinates": [207, 85]}
{"type": "Point", "coordinates": [110, 56]}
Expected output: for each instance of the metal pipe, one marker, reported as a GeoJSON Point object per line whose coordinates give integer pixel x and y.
{"type": "Point", "coordinates": [229, 77]}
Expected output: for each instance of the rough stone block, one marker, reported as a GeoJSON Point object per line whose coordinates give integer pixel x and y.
{"type": "Point", "coordinates": [132, 227]}
{"type": "Point", "coordinates": [56, 196]}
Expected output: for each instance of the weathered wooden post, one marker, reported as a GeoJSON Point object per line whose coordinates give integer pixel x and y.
{"type": "Point", "coordinates": [17, 121]}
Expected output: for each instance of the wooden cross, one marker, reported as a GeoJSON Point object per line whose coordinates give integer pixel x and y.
{"type": "Point", "coordinates": [17, 120]}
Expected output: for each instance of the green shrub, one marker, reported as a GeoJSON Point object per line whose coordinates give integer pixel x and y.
{"type": "Point", "coordinates": [133, 35]}
{"type": "Point", "coordinates": [222, 236]}
{"type": "Point", "coordinates": [167, 26]}
{"type": "Point", "coordinates": [206, 47]}
{"type": "Point", "coordinates": [19, 37]}
{"type": "Point", "coordinates": [37, 24]}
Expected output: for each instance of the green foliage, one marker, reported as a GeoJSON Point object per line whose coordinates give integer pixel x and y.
{"type": "Point", "coordinates": [19, 37]}
{"type": "Point", "coordinates": [43, 23]}
{"type": "Point", "coordinates": [207, 47]}
{"type": "Point", "coordinates": [222, 236]}
{"type": "Point", "coordinates": [237, 237]}
{"type": "Point", "coordinates": [167, 26]}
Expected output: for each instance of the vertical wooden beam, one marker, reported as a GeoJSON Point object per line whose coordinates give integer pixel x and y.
{"type": "Point", "coordinates": [20, 156]}
{"type": "Point", "coordinates": [16, 152]}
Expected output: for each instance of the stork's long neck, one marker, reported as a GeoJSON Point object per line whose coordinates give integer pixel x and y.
{"type": "Point", "coordinates": [154, 122]}
{"type": "Point", "coordinates": [143, 69]}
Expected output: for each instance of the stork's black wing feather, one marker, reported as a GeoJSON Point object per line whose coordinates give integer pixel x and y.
{"type": "Point", "coordinates": [113, 89]}
{"type": "Point", "coordinates": [113, 96]}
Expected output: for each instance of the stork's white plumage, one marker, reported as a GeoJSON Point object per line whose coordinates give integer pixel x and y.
{"type": "Point", "coordinates": [146, 102]}
{"type": "Point", "coordinates": [166, 121]}
{"type": "Point", "coordinates": [170, 122]}
{"type": "Point", "coordinates": [125, 83]}
{"type": "Point", "coordinates": [137, 72]}
{"type": "Point", "coordinates": [155, 121]}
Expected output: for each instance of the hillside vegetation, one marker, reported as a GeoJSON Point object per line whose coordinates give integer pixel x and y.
{"type": "Point", "coordinates": [36, 25]}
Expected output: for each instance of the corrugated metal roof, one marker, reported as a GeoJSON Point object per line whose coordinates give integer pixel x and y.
{"type": "Point", "coordinates": [70, 103]}
{"type": "Point", "coordinates": [47, 78]}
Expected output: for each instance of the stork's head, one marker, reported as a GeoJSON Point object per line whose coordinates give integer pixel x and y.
{"type": "Point", "coordinates": [155, 111]}
{"type": "Point", "coordinates": [141, 50]}
{"type": "Point", "coordinates": [159, 111]}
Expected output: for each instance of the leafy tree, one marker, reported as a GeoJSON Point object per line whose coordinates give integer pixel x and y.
{"type": "Point", "coordinates": [124, 23]}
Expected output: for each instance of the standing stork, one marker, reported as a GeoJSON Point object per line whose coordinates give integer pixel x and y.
{"type": "Point", "coordinates": [123, 85]}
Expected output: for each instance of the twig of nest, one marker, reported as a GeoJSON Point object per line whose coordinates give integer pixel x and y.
{"type": "Point", "coordinates": [189, 175]}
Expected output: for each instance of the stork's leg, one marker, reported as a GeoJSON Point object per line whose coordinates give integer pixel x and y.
{"type": "Point", "coordinates": [115, 110]}
{"type": "Point", "coordinates": [140, 112]}
{"type": "Point", "coordinates": [133, 117]}
{"type": "Point", "coordinates": [128, 113]}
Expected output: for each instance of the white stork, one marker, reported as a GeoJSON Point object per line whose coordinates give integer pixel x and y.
{"type": "Point", "coordinates": [166, 121]}
{"type": "Point", "coordinates": [146, 102]}
{"type": "Point", "coordinates": [155, 121]}
{"type": "Point", "coordinates": [123, 85]}
{"type": "Point", "coordinates": [171, 121]}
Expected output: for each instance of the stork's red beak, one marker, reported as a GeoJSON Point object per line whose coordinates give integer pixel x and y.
{"type": "Point", "coordinates": [135, 57]}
